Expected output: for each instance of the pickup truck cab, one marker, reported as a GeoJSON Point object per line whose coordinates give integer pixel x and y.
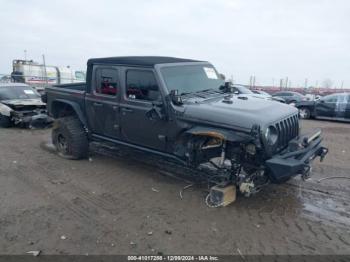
{"type": "Point", "coordinates": [182, 110]}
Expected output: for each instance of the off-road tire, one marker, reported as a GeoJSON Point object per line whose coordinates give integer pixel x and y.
{"type": "Point", "coordinates": [304, 113]}
{"type": "Point", "coordinates": [70, 138]}
{"type": "Point", "coordinates": [5, 121]}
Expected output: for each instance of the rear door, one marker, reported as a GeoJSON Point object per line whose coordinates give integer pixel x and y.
{"type": "Point", "coordinates": [340, 106]}
{"type": "Point", "coordinates": [141, 93]}
{"type": "Point", "coordinates": [102, 102]}
{"type": "Point", "coordinates": [347, 111]}
{"type": "Point", "coordinates": [326, 106]}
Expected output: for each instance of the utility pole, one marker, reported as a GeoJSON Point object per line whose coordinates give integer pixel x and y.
{"type": "Point", "coordinates": [281, 84]}
{"type": "Point", "coordinates": [46, 80]}
{"type": "Point", "coordinates": [286, 83]}
{"type": "Point", "coordinates": [25, 55]}
{"type": "Point", "coordinates": [342, 84]}
{"type": "Point", "coordinates": [305, 85]}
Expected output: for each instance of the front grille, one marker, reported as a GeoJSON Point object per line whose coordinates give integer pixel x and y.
{"type": "Point", "coordinates": [287, 130]}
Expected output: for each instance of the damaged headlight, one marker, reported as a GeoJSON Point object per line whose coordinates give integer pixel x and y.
{"type": "Point", "coordinates": [271, 135]}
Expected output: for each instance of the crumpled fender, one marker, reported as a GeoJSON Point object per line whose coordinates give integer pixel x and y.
{"type": "Point", "coordinates": [5, 110]}
{"type": "Point", "coordinates": [228, 135]}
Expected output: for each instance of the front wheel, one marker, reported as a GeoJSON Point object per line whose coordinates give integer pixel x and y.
{"type": "Point", "coordinates": [304, 113]}
{"type": "Point", "coordinates": [5, 121]}
{"type": "Point", "coordinates": [70, 138]}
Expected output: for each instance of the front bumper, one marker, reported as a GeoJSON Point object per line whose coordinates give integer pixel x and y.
{"type": "Point", "coordinates": [31, 119]}
{"type": "Point", "coordinates": [297, 158]}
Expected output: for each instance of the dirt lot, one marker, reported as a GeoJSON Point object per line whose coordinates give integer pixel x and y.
{"type": "Point", "coordinates": [114, 205]}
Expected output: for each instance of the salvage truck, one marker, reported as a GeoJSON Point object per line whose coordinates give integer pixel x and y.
{"type": "Point", "coordinates": [181, 110]}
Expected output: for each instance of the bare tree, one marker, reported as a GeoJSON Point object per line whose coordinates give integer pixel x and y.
{"type": "Point", "coordinates": [327, 83]}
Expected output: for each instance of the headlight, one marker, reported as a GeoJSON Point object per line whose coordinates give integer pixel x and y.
{"type": "Point", "coordinates": [271, 135]}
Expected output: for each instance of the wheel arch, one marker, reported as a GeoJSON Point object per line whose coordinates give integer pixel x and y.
{"type": "Point", "coordinates": [62, 107]}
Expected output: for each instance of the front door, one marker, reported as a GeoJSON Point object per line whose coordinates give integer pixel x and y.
{"type": "Point", "coordinates": [102, 102]}
{"type": "Point", "coordinates": [141, 94]}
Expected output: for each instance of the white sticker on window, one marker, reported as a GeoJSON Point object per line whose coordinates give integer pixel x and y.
{"type": "Point", "coordinates": [29, 92]}
{"type": "Point", "coordinates": [210, 72]}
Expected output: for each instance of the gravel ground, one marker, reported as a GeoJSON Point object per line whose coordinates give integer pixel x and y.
{"type": "Point", "coordinates": [114, 205]}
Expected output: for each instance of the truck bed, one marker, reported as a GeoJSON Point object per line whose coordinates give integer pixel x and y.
{"type": "Point", "coordinates": [74, 93]}
{"type": "Point", "coordinates": [73, 86]}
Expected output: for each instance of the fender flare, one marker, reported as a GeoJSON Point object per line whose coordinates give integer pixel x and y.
{"type": "Point", "coordinates": [75, 107]}
{"type": "Point", "coordinates": [227, 135]}
{"type": "Point", "coordinates": [5, 110]}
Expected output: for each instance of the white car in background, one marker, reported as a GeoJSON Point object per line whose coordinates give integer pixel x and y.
{"type": "Point", "coordinates": [240, 89]}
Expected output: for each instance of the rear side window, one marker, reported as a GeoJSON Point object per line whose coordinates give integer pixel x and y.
{"type": "Point", "coordinates": [106, 81]}
{"type": "Point", "coordinates": [142, 85]}
{"type": "Point", "coordinates": [330, 99]}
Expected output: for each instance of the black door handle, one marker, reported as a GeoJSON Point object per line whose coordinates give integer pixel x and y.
{"type": "Point", "coordinates": [97, 104]}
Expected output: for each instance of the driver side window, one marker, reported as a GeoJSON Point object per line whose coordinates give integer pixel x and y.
{"type": "Point", "coordinates": [142, 85]}
{"type": "Point", "coordinates": [330, 99]}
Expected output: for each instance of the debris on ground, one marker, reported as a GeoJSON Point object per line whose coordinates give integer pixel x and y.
{"type": "Point", "coordinates": [63, 237]}
{"type": "Point", "coordinates": [132, 243]}
{"type": "Point", "coordinates": [240, 253]}
{"type": "Point", "coordinates": [150, 233]}
{"type": "Point", "coordinates": [90, 159]}
{"type": "Point", "coordinates": [183, 189]}
{"type": "Point", "coordinates": [168, 232]}
{"type": "Point", "coordinates": [155, 190]}
{"type": "Point", "coordinates": [34, 252]}
{"type": "Point", "coordinates": [333, 177]}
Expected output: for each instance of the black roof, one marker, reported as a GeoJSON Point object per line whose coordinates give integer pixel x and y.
{"type": "Point", "coordinates": [148, 61]}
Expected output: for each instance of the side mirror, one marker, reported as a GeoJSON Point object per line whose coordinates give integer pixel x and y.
{"type": "Point", "coordinates": [236, 92]}
{"type": "Point", "coordinates": [175, 97]}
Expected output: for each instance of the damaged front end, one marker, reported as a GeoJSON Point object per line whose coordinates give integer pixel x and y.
{"type": "Point", "coordinates": [30, 116]}
{"type": "Point", "coordinates": [252, 160]}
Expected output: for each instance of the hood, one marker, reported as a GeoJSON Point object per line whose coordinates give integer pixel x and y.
{"type": "Point", "coordinates": [23, 102]}
{"type": "Point", "coordinates": [243, 112]}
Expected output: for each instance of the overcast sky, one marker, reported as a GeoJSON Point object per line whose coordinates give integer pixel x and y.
{"type": "Point", "coordinates": [270, 39]}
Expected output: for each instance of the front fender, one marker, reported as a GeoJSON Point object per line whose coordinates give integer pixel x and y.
{"type": "Point", "coordinates": [228, 135]}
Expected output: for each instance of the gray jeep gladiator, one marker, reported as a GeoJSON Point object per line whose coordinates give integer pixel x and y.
{"type": "Point", "coordinates": [181, 110]}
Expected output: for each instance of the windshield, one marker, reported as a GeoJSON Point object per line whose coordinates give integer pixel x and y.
{"type": "Point", "coordinates": [17, 92]}
{"type": "Point", "coordinates": [191, 78]}
{"type": "Point", "coordinates": [243, 90]}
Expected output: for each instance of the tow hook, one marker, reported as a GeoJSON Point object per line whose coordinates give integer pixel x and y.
{"type": "Point", "coordinates": [306, 173]}
{"type": "Point", "coordinates": [323, 154]}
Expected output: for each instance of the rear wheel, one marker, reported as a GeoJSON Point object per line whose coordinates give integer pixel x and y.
{"type": "Point", "coordinates": [5, 121]}
{"type": "Point", "coordinates": [70, 138]}
{"type": "Point", "coordinates": [304, 113]}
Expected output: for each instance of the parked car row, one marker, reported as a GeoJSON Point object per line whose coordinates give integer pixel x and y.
{"type": "Point", "coordinates": [335, 106]}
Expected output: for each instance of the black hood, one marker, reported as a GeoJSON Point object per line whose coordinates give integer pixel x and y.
{"type": "Point", "coordinates": [242, 113]}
